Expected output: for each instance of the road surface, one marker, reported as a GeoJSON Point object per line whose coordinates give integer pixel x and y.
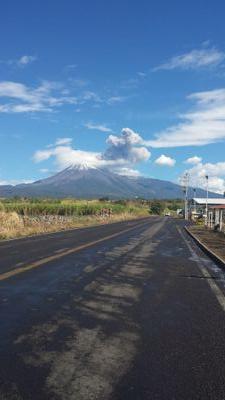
{"type": "Point", "coordinates": [127, 311]}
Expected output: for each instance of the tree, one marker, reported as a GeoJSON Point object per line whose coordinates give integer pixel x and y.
{"type": "Point", "coordinates": [156, 208]}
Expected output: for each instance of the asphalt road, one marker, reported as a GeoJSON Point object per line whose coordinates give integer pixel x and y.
{"type": "Point", "coordinates": [127, 311]}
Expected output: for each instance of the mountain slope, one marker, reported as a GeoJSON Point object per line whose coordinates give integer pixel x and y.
{"type": "Point", "coordinates": [89, 182]}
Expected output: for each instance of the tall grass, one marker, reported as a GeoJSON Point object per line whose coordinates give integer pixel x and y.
{"type": "Point", "coordinates": [23, 217]}
{"type": "Point", "coordinates": [62, 209]}
{"type": "Point", "coordinates": [66, 207]}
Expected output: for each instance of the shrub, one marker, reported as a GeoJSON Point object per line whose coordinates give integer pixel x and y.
{"type": "Point", "coordinates": [156, 208]}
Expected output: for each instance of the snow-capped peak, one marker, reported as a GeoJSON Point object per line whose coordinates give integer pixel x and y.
{"type": "Point", "coordinates": [81, 167]}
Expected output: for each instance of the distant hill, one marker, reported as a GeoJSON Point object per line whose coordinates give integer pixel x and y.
{"type": "Point", "coordinates": [91, 183]}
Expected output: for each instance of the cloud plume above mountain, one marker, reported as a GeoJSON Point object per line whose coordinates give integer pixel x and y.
{"type": "Point", "coordinates": [123, 152]}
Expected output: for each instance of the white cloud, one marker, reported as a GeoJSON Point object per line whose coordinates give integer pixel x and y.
{"type": "Point", "coordinates": [98, 127]}
{"type": "Point", "coordinates": [115, 99]}
{"type": "Point", "coordinates": [142, 74]}
{"type": "Point", "coordinates": [42, 155]}
{"type": "Point", "coordinates": [193, 160]}
{"type": "Point", "coordinates": [14, 182]}
{"type": "Point", "coordinates": [165, 160]}
{"type": "Point", "coordinates": [131, 83]}
{"type": "Point", "coordinates": [16, 97]}
{"type": "Point", "coordinates": [128, 172]}
{"type": "Point", "coordinates": [122, 153]}
{"type": "Point", "coordinates": [25, 60]}
{"type": "Point", "coordinates": [195, 59]}
{"type": "Point", "coordinates": [70, 67]}
{"type": "Point", "coordinates": [91, 96]}
{"type": "Point", "coordinates": [78, 82]}
{"type": "Point", "coordinates": [204, 124]}
{"type": "Point", "coordinates": [63, 141]}
{"type": "Point", "coordinates": [23, 99]}
{"type": "Point", "coordinates": [215, 172]}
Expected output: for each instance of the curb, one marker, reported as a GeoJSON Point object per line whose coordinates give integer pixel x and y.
{"type": "Point", "coordinates": [206, 250]}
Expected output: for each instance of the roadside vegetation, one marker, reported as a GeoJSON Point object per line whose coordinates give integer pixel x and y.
{"type": "Point", "coordinates": [24, 216]}
{"type": "Point", "coordinates": [162, 207]}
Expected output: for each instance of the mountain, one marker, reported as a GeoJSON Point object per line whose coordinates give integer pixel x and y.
{"type": "Point", "coordinates": [92, 183]}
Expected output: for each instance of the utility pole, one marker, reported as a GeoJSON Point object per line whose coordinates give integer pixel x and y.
{"type": "Point", "coordinates": [207, 197]}
{"type": "Point", "coordinates": [195, 210]}
{"type": "Point", "coordinates": [185, 191]}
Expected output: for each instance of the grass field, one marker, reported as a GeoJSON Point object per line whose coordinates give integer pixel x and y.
{"type": "Point", "coordinates": [21, 217]}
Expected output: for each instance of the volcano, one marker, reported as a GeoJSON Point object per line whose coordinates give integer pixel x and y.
{"type": "Point", "coordinates": [85, 182]}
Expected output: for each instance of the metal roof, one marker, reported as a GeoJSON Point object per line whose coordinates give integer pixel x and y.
{"type": "Point", "coordinates": [218, 207]}
{"type": "Point", "coordinates": [202, 201]}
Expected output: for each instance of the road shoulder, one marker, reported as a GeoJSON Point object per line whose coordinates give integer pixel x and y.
{"type": "Point", "coordinates": [212, 243]}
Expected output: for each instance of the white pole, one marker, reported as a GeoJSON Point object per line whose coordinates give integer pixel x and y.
{"type": "Point", "coordinates": [186, 178]}
{"type": "Point", "coordinates": [221, 220]}
{"type": "Point", "coordinates": [195, 209]}
{"type": "Point", "coordinates": [207, 196]}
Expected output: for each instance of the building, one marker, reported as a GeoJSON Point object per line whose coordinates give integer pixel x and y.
{"type": "Point", "coordinates": [198, 205]}
{"type": "Point", "coordinates": [216, 217]}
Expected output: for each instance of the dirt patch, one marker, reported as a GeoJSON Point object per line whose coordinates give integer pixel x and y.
{"type": "Point", "coordinates": [215, 241]}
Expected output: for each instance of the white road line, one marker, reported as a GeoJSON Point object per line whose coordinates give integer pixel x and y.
{"type": "Point", "coordinates": [214, 287]}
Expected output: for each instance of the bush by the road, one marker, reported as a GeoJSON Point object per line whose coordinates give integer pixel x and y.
{"type": "Point", "coordinates": [156, 208]}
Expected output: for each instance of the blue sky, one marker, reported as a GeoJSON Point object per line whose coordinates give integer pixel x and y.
{"type": "Point", "coordinates": [134, 86]}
